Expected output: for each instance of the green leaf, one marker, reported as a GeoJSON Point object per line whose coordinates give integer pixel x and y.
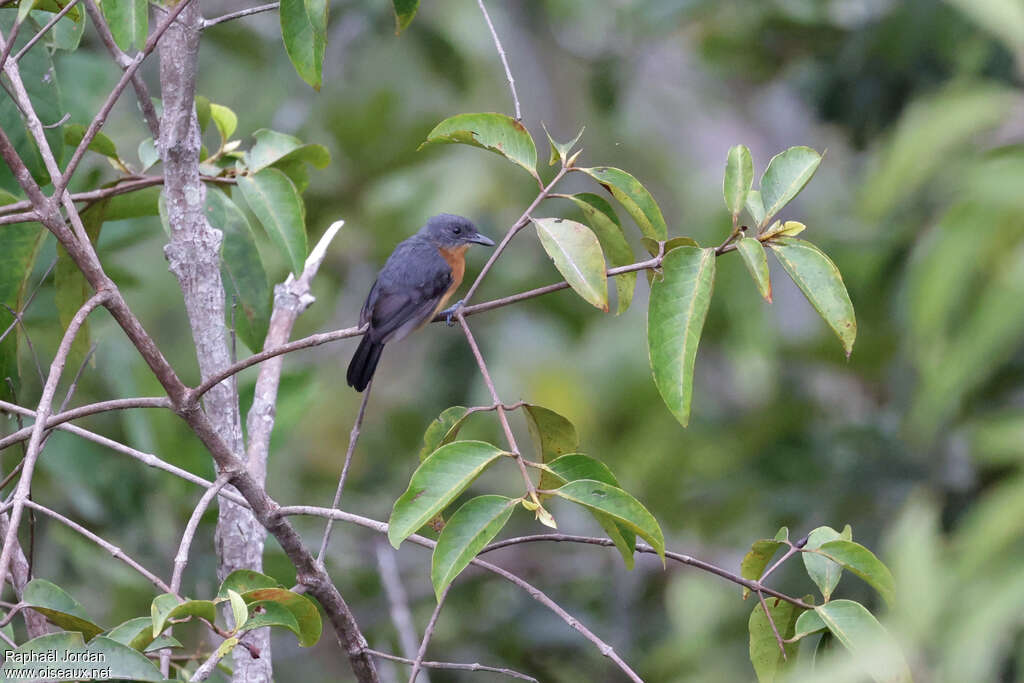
{"type": "Point", "coordinates": [739, 176]}
{"type": "Point", "coordinates": [148, 154]}
{"type": "Point", "coordinates": [617, 504]}
{"type": "Point", "coordinates": [821, 283]}
{"type": "Point", "coordinates": [242, 271]}
{"type": "Point", "coordinates": [101, 144]}
{"type": "Point", "coordinates": [119, 661]}
{"type": "Point", "coordinates": [560, 152]}
{"type": "Point", "coordinates": [244, 580]}
{"type": "Point", "coordinates": [443, 430]}
{"type": "Point", "coordinates": [866, 639]}
{"type": "Point", "coordinates": [19, 245]}
{"type": "Point", "coordinates": [264, 613]}
{"type": "Point", "coordinates": [67, 34]}
{"type": "Point", "coordinates": [863, 563]}
{"type": "Point", "coordinates": [272, 148]}
{"type": "Point", "coordinates": [755, 207]}
{"type": "Point", "coordinates": [306, 614]}
{"type": "Point", "coordinates": [71, 288]}
{"type": "Point", "coordinates": [553, 434]}
{"type": "Point", "coordinates": [577, 255]}
{"type": "Point", "coordinates": [24, 7]}
{"type": "Point", "coordinates": [824, 572]}
{"type": "Point", "coordinates": [472, 527]}
{"type": "Point", "coordinates": [129, 22]}
{"type": "Point", "coordinates": [786, 175]}
{"type": "Point", "coordinates": [809, 622]}
{"type": "Point", "coordinates": [226, 646]}
{"type": "Point", "coordinates": [136, 633]}
{"type": "Point", "coordinates": [634, 197]}
{"type": "Point", "coordinates": [163, 642]}
{"type": "Point", "coordinates": [239, 610]}
{"type": "Point", "coordinates": [601, 218]}
{"type": "Point", "coordinates": [754, 258]}
{"type": "Point", "coordinates": [765, 655]}
{"type": "Point", "coordinates": [304, 29]}
{"type": "Point", "coordinates": [405, 11]}
{"type": "Point", "coordinates": [277, 205]}
{"type": "Point", "coordinates": [59, 608]}
{"type": "Point", "coordinates": [202, 112]}
{"type": "Point", "coordinates": [756, 560]}
{"type": "Point", "coordinates": [168, 606]}
{"type": "Point", "coordinates": [225, 119]}
{"type": "Point", "coordinates": [498, 133]}
{"type": "Point", "coordinates": [437, 482]}
{"type": "Point", "coordinates": [575, 466]}
{"type": "Point", "coordinates": [675, 317]}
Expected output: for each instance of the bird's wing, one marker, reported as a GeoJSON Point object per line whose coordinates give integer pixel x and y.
{"type": "Point", "coordinates": [407, 293]}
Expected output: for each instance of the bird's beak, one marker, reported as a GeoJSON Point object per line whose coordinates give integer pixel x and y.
{"type": "Point", "coordinates": [481, 239]}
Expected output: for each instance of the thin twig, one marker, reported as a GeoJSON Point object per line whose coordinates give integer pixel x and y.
{"type": "Point", "coordinates": [270, 6]}
{"type": "Point", "coordinates": [504, 59]}
{"type": "Point", "coordinates": [771, 622]}
{"type": "Point", "coordinates": [428, 633]}
{"type": "Point", "coordinates": [454, 666]}
{"type": "Point", "coordinates": [398, 601]}
{"type": "Point", "coordinates": [42, 32]}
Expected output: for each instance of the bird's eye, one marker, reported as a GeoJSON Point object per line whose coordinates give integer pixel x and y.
{"type": "Point", "coordinates": [457, 230]}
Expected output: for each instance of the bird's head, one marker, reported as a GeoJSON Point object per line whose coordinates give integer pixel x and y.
{"type": "Point", "coordinates": [447, 230]}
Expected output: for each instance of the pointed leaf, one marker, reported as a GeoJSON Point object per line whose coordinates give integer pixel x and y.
{"type": "Point", "coordinates": [679, 304]}
{"type": "Point", "coordinates": [239, 610]}
{"type": "Point", "coordinates": [560, 152]}
{"type": "Point", "coordinates": [242, 271]}
{"type": "Point", "coordinates": [437, 482]}
{"type": "Point", "coordinates": [304, 29]}
{"type": "Point", "coordinates": [617, 504]}
{"type": "Point", "coordinates": [148, 154]}
{"type": "Point", "coordinates": [277, 205]}
{"type": "Point", "coordinates": [225, 119]}
{"type": "Point", "coordinates": [167, 606]}
{"type": "Point", "coordinates": [809, 622]}
{"type": "Point", "coordinates": [824, 572]}
{"type": "Point", "coordinates": [554, 436]}
{"type": "Point", "coordinates": [118, 661]}
{"type": "Point", "coordinates": [128, 21]}
{"type": "Point", "coordinates": [273, 148]}
{"type": "Point", "coordinates": [739, 176]}
{"type": "Point", "coordinates": [305, 611]}
{"type": "Point", "coordinates": [634, 197]}
{"type": "Point", "coordinates": [443, 430]}
{"type": "Point", "coordinates": [498, 133]}
{"type": "Point", "coordinates": [863, 563]}
{"type": "Point", "coordinates": [472, 527]}
{"type": "Point", "coordinates": [821, 283]}
{"type": "Point", "coordinates": [59, 608]}
{"type": "Point", "coordinates": [652, 245]}
{"type": "Point", "coordinates": [786, 175]}
{"type": "Point", "coordinates": [765, 655]}
{"type": "Point", "coordinates": [866, 639]}
{"type": "Point", "coordinates": [755, 207]}
{"type": "Point", "coordinates": [101, 144]}
{"type": "Point", "coordinates": [244, 580]}
{"type": "Point", "coordinates": [136, 633]}
{"type": "Point", "coordinates": [577, 254]}
{"type": "Point", "coordinates": [602, 220]}
{"type": "Point", "coordinates": [756, 560]}
{"type": "Point", "coordinates": [754, 258]}
{"type": "Point", "coordinates": [405, 11]}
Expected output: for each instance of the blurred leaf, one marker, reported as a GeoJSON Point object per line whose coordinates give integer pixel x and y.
{"type": "Point", "coordinates": [272, 148]}
{"type": "Point", "coordinates": [498, 133]}
{"type": "Point", "coordinates": [202, 112]}
{"type": "Point", "coordinates": [128, 21]}
{"type": "Point", "coordinates": [756, 560]}
{"type": "Point", "coordinates": [765, 655]}
{"type": "Point", "coordinates": [443, 430]}
{"type": "Point", "coordinates": [437, 482]}
{"type": "Point", "coordinates": [617, 504]}
{"type": "Point", "coordinates": [225, 119]}
{"type": "Point", "coordinates": [405, 11]}
{"type": "Point", "coordinates": [807, 623]}
{"type": "Point", "coordinates": [554, 436]}
{"type": "Point", "coordinates": [264, 613]}
{"type": "Point", "coordinates": [242, 271]}
{"type": "Point", "coordinates": [786, 175]}
{"type": "Point", "coordinates": [864, 637]}
{"type": "Point", "coordinates": [560, 152]}
{"type": "Point", "coordinates": [755, 207]}
{"type": "Point", "coordinates": [602, 220]}
{"type": "Point", "coordinates": [862, 562]}
{"type": "Point", "coordinates": [824, 572]}
{"type": "Point", "coordinates": [635, 199]}
{"type": "Point", "coordinates": [1002, 18]}
{"type": "Point", "coordinates": [577, 255]}
{"type": "Point", "coordinates": [756, 261]}
{"type": "Point", "coordinates": [167, 606]}
{"type": "Point", "coordinates": [929, 135]}
{"type": "Point", "coordinates": [652, 245]}
{"type": "Point", "coordinates": [59, 608]}
{"type": "Point", "coordinates": [244, 580]}
{"type": "Point", "coordinates": [575, 466]}
{"type": "Point", "coordinates": [821, 283]}
{"type": "Point", "coordinates": [787, 229]}
{"type": "Point", "coordinates": [239, 610]}
{"type": "Point", "coordinates": [226, 646]}
{"type": "Point", "coordinates": [305, 611]}
{"type": "Point", "coordinates": [163, 642]}
{"type": "Point", "coordinates": [148, 154]}
{"type": "Point", "coordinates": [136, 633]}
{"type": "Point", "coordinates": [71, 290]}
{"type": "Point", "coordinates": [101, 144]}
{"type": "Point", "coordinates": [679, 304]}
{"type": "Point", "coordinates": [137, 204]}
{"type": "Point", "coordinates": [277, 205]}
{"type": "Point", "coordinates": [19, 245]}
{"type": "Point", "coordinates": [304, 29]}
{"type": "Point", "coordinates": [472, 527]}
{"type": "Point", "coordinates": [121, 662]}
{"type": "Point", "coordinates": [739, 176]}
{"type": "Point", "coordinates": [67, 34]}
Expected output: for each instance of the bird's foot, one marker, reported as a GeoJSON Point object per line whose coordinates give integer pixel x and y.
{"type": "Point", "coordinates": [450, 311]}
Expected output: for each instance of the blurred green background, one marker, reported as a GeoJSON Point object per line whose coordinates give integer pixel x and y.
{"type": "Point", "coordinates": [917, 441]}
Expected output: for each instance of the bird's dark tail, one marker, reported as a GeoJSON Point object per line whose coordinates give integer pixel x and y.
{"type": "Point", "coordinates": [364, 362]}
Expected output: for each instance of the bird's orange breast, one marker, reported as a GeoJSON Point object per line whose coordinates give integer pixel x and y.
{"type": "Point", "coordinates": [455, 257]}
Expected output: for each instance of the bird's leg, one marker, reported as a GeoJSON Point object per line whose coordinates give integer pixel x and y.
{"type": "Point", "coordinates": [450, 311]}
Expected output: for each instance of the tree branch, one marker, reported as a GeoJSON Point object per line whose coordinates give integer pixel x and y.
{"type": "Point", "coordinates": [504, 59]}
{"type": "Point", "coordinates": [269, 7]}
{"type": "Point", "coordinates": [455, 666]}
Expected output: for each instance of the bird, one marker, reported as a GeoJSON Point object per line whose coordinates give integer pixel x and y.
{"type": "Point", "coordinates": [415, 283]}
